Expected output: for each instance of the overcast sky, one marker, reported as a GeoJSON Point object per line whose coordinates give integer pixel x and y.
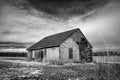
{"type": "Point", "coordinates": [30, 21]}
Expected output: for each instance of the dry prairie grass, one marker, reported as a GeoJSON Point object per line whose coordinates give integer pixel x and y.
{"type": "Point", "coordinates": [20, 71]}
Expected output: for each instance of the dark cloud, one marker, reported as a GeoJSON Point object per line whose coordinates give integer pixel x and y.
{"type": "Point", "coordinates": [67, 7]}
{"type": "Point", "coordinates": [59, 8]}
{"type": "Point", "coordinates": [22, 4]}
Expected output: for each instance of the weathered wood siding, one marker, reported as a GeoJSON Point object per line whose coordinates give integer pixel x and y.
{"type": "Point", "coordinates": [64, 50]}
{"type": "Point", "coordinates": [52, 54]}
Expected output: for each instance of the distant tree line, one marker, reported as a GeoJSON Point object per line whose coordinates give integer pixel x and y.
{"type": "Point", "coordinates": [24, 54]}
{"type": "Point", "coordinates": [13, 54]}
{"type": "Point", "coordinates": [107, 53]}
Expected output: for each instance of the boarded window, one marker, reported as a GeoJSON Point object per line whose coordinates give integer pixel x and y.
{"type": "Point", "coordinates": [70, 53]}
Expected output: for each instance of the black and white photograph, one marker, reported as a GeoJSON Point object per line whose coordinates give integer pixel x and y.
{"type": "Point", "coordinates": [59, 39]}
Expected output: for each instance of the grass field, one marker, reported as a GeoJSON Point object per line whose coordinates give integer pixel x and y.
{"type": "Point", "coordinates": [11, 70]}
{"type": "Point", "coordinates": [110, 59]}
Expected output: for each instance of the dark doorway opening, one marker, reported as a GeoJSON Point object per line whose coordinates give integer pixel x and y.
{"type": "Point", "coordinates": [41, 55]}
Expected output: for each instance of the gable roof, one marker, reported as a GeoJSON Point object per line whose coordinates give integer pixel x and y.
{"type": "Point", "coordinates": [53, 40]}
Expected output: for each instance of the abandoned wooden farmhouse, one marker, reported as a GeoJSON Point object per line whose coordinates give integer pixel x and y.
{"type": "Point", "coordinates": [68, 46]}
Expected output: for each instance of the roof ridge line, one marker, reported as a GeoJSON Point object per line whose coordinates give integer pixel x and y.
{"type": "Point", "coordinates": [62, 32]}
